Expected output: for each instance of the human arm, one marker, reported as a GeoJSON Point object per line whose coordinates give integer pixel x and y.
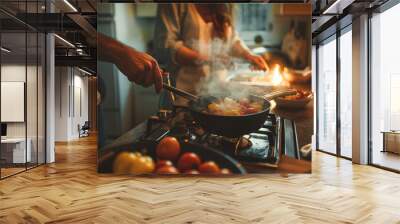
{"type": "Point", "coordinates": [138, 67]}
{"type": "Point", "coordinates": [169, 46]}
{"type": "Point", "coordinates": [239, 49]}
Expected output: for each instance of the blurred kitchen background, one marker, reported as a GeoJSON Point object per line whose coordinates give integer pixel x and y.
{"type": "Point", "coordinates": [262, 27]}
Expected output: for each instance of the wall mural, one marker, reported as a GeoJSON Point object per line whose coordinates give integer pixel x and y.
{"type": "Point", "coordinates": [236, 95]}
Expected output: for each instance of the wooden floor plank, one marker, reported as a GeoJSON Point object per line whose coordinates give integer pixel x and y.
{"type": "Point", "coordinates": [70, 191]}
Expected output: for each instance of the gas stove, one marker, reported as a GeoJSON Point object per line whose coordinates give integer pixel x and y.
{"type": "Point", "coordinates": [256, 150]}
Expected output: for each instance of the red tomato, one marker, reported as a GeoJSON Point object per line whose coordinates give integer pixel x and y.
{"type": "Point", "coordinates": [168, 149]}
{"type": "Point", "coordinates": [188, 161]}
{"type": "Point", "coordinates": [161, 163]}
{"type": "Point", "coordinates": [209, 167]}
{"type": "Point", "coordinates": [192, 172]}
{"type": "Point", "coordinates": [167, 170]}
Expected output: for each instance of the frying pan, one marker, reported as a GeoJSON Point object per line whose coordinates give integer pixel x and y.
{"type": "Point", "coordinates": [228, 126]}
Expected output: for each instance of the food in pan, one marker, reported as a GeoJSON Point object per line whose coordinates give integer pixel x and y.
{"type": "Point", "coordinates": [300, 94]}
{"type": "Point", "coordinates": [297, 101]}
{"type": "Point", "coordinates": [231, 107]}
{"type": "Point", "coordinates": [169, 161]}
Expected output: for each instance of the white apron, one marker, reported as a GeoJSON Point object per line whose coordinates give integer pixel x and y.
{"type": "Point", "coordinates": [182, 24]}
{"type": "Point", "coordinates": [191, 77]}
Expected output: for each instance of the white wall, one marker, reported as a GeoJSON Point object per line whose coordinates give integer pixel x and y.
{"type": "Point", "coordinates": [16, 73]}
{"type": "Point", "coordinates": [69, 82]}
{"type": "Point", "coordinates": [79, 117]}
{"type": "Point", "coordinates": [33, 127]}
{"type": "Point", "coordinates": [136, 102]}
{"type": "Point", "coordinates": [123, 104]}
{"type": "Point", "coordinates": [9, 73]}
{"type": "Point", "coordinates": [61, 103]}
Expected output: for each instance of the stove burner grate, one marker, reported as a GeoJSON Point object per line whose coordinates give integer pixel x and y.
{"type": "Point", "coordinates": [258, 147]}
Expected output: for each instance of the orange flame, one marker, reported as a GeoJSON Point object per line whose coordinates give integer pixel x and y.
{"type": "Point", "coordinates": [277, 78]}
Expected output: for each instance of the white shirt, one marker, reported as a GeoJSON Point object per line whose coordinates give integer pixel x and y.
{"type": "Point", "coordinates": [181, 24]}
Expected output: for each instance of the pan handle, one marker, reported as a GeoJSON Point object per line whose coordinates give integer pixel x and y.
{"type": "Point", "coordinates": [167, 86]}
{"type": "Point", "coordinates": [179, 92]}
{"type": "Point", "coordinates": [279, 93]}
{"type": "Point", "coordinates": [167, 80]}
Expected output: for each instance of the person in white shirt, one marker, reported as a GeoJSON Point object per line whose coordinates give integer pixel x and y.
{"type": "Point", "coordinates": [194, 40]}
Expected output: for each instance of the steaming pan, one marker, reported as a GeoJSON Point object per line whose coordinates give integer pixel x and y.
{"type": "Point", "coordinates": [229, 126]}
{"type": "Point", "coordinates": [232, 126]}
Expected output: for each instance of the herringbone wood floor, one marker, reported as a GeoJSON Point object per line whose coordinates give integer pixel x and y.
{"type": "Point", "coordinates": [70, 191]}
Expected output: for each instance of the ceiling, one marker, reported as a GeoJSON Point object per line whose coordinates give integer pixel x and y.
{"type": "Point", "coordinates": [20, 21]}
{"type": "Point", "coordinates": [332, 15]}
{"type": "Point", "coordinates": [39, 6]}
{"type": "Point", "coordinates": [16, 43]}
{"type": "Point", "coordinates": [78, 26]}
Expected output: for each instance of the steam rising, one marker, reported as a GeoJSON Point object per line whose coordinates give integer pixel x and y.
{"type": "Point", "coordinates": [221, 64]}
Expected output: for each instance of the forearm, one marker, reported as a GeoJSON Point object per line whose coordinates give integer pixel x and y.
{"type": "Point", "coordinates": [187, 56]}
{"type": "Point", "coordinates": [257, 62]}
{"type": "Point", "coordinates": [238, 50]}
{"type": "Point", "coordinates": [109, 49]}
